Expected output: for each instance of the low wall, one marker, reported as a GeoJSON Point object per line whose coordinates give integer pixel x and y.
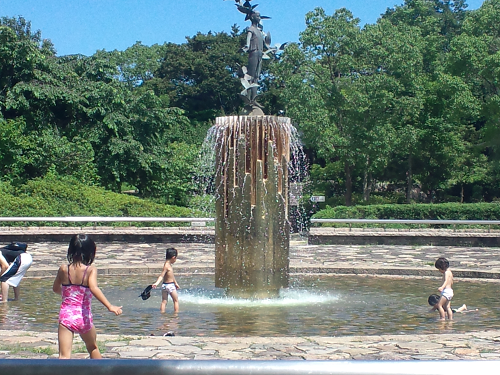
{"type": "Point", "coordinates": [333, 236]}
{"type": "Point", "coordinates": [109, 234]}
{"type": "Point", "coordinates": [316, 236]}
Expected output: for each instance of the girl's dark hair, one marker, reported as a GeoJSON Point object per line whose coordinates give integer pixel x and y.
{"type": "Point", "coordinates": [442, 264]}
{"type": "Point", "coordinates": [170, 253]}
{"type": "Point", "coordinates": [81, 250]}
{"type": "Point", "coordinates": [433, 299]}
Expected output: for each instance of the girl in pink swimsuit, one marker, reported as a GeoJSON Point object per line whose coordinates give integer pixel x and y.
{"type": "Point", "coordinates": [77, 283]}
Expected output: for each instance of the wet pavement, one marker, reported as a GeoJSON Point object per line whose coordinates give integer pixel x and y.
{"type": "Point", "coordinates": [118, 258]}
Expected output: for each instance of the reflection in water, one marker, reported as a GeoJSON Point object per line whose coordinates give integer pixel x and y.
{"type": "Point", "coordinates": [170, 323]}
{"type": "Point", "coordinates": [313, 305]}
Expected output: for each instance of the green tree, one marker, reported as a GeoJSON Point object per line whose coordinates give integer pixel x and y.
{"type": "Point", "coordinates": [138, 64]}
{"type": "Point", "coordinates": [436, 107]}
{"type": "Point", "coordinates": [200, 76]}
{"type": "Point", "coordinates": [84, 116]}
{"type": "Point", "coordinates": [340, 97]}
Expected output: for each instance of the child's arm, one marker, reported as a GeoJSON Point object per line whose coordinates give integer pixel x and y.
{"type": "Point", "coordinates": [99, 294]}
{"type": "Point", "coordinates": [160, 278]}
{"type": "Point", "coordinates": [175, 283]}
{"type": "Point", "coordinates": [56, 287]}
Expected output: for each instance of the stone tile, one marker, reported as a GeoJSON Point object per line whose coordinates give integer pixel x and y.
{"type": "Point", "coordinates": [466, 351]}
{"type": "Point", "coordinates": [490, 355]}
{"type": "Point", "coordinates": [151, 341]}
{"type": "Point", "coordinates": [419, 346]}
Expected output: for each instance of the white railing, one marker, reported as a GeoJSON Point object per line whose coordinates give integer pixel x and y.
{"type": "Point", "coordinates": [488, 223]}
{"type": "Point", "coordinates": [105, 219]}
{"type": "Point", "coordinates": [404, 221]}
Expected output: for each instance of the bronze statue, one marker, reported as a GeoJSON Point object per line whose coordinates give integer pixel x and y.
{"type": "Point", "coordinates": [255, 49]}
{"type": "Point", "coordinates": [258, 47]}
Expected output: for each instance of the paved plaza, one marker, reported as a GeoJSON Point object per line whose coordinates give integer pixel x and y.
{"type": "Point", "coordinates": [120, 258]}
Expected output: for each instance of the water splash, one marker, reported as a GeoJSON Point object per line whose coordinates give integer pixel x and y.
{"type": "Point", "coordinates": [287, 298]}
{"type": "Point", "coordinates": [206, 167]}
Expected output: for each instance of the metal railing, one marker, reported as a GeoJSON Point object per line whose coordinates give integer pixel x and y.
{"type": "Point", "coordinates": [244, 367]}
{"type": "Point", "coordinates": [404, 221]}
{"type": "Point", "coordinates": [487, 223]}
{"type": "Point", "coordinates": [107, 219]}
{"type": "Point", "coordinates": [103, 219]}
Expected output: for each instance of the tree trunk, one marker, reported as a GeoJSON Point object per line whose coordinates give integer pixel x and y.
{"type": "Point", "coordinates": [348, 184]}
{"type": "Point", "coordinates": [410, 180]}
{"type": "Point", "coordinates": [462, 193]}
{"type": "Point", "coordinates": [367, 181]}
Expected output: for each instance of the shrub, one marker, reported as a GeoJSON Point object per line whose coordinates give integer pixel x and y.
{"type": "Point", "coordinates": [62, 196]}
{"type": "Point", "coordinates": [441, 211]}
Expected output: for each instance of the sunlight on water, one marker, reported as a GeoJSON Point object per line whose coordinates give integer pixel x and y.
{"type": "Point", "coordinates": [314, 305]}
{"type": "Point", "coordinates": [287, 298]}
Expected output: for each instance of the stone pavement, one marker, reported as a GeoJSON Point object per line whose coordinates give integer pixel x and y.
{"type": "Point", "coordinates": [475, 345]}
{"type": "Point", "coordinates": [120, 258]}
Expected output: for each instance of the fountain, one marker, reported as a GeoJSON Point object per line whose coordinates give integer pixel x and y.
{"type": "Point", "coordinates": [252, 151]}
{"type": "Point", "coordinates": [252, 230]}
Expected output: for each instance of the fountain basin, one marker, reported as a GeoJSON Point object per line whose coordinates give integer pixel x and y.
{"type": "Point", "coordinates": [313, 305]}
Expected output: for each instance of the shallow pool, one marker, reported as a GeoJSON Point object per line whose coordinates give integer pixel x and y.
{"type": "Point", "coordinates": [313, 305]}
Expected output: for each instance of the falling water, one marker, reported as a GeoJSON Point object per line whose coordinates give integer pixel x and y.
{"type": "Point", "coordinates": [206, 169]}
{"type": "Point", "coordinates": [251, 173]}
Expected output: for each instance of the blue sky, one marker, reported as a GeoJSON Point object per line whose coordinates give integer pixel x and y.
{"type": "Point", "coordinates": [85, 26]}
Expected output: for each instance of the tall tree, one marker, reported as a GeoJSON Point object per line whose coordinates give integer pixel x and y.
{"type": "Point", "coordinates": [200, 76]}
{"type": "Point", "coordinates": [335, 90]}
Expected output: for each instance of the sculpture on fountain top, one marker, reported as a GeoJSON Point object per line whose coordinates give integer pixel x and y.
{"type": "Point", "coordinates": [258, 47]}
{"type": "Point", "coordinates": [252, 231]}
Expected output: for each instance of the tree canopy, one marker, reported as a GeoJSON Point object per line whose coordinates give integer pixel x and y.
{"type": "Point", "coordinates": [406, 103]}
{"type": "Point", "coordinates": [406, 109]}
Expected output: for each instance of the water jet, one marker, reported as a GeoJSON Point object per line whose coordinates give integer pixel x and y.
{"type": "Point", "coordinates": [252, 231]}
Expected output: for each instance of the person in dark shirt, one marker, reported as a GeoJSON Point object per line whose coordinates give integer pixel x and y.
{"type": "Point", "coordinates": [14, 262]}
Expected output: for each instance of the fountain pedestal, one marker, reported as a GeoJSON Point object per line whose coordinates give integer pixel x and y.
{"type": "Point", "coordinates": [252, 231]}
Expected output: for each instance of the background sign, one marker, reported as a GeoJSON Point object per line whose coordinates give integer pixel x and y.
{"type": "Point", "coordinates": [318, 198]}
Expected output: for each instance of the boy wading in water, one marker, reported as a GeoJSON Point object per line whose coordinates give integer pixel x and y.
{"type": "Point", "coordinates": [169, 285]}
{"type": "Point", "coordinates": [444, 303]}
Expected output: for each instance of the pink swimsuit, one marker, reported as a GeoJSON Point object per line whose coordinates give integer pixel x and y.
{"type": "Point", "coordinates": [75, 313]}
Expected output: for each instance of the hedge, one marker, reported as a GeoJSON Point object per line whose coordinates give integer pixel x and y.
{"type": "Point", "coordinates": [60, 196]}
{"type": "Point", "coordinates": [441, 211]}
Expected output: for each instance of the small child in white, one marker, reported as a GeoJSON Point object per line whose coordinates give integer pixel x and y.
{"type": "Point", "coordinates": [444, 303]}
{"type": "Point", "coordinates": [434, 299]}
{"type": "Point", "coordinates": [169, 285]}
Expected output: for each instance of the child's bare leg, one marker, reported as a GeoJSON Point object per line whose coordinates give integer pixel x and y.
{"type": "Point", "coordinates": [5, 292]}
{"type": "Point", "coordinates": [3, 267]}
{"type": "Point", "coordinates": [65, 338]}
{"type": "Point", "coordinates": [16, 293]}
{"type": "Point", "coordinates": [175, 298]}
{"type": "Point", "coordinates": [3, 264]}
{"type": "Point", "coordinates": [440, 304]}
{"type": "Point", "coordinates": [164, 300]}
{"type": "Point", "coordinates": [462, 308]}
{"type": "Point", "coordinates": [90, 340]}
{"type": "Point", "coordinates": [447, 307]}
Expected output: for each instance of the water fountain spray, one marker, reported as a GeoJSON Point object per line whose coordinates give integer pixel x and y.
{"type": "Point", "coordinates": [252, 153]}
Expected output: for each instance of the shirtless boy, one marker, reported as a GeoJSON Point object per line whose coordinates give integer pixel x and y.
{"type": "Point", "coordinates": [169, 285]}
{"type": "Point", "coordinates": [444, 303]}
